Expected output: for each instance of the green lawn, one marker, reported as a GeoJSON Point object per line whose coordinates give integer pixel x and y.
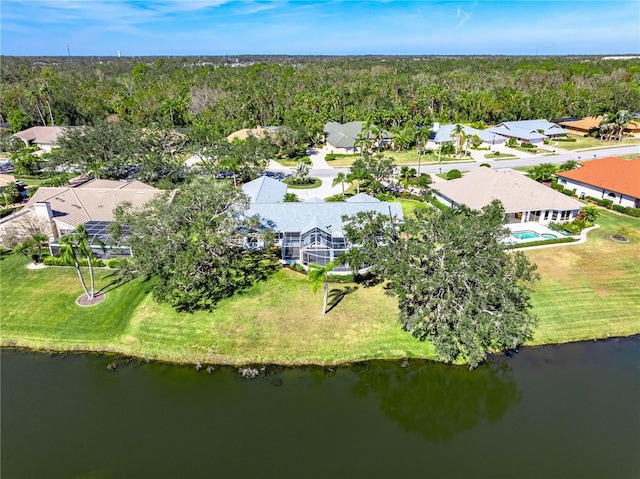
{"type": "Point", "coordinates": [409, 206]}
{"type": "Point", "coordinates": [315, 183]}
{"type": "Point", "coordinates": [590, 290]}
{"type": "Point", "coordinates": [588, 142]}
{"type": "Point", "coordinates": [587, 291]}
{"type": "Point", "coordinates": [277, 321]}
{"type": "Point", "coordinates": [404, 158]}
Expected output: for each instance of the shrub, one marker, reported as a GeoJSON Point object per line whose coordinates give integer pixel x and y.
{"type": "Point", "coordinates": [454, 174]}
{"type": "Point", "coordinates": [56, 261]}
{"type": "Point", "coordinates": [7, 211]}
{"type": "Point", "coordinates": [564, 138]}
{"type": "Point", "coordinates": [620, 208]}
{"type": "Point", "coordinates": [116, 262]}
{"type": "Point", "coordinates": [385, 197]}
{"type": "Point", "coordinates": [333, 156]}
{"type": "Point", "coordinates": [635, 212]}
{"type": "Point", "coordinates": [305, 159]}
{"type": "Point", "coordinates": [336, 198]}
{"type": "Point", "coordinates": [487, 165]}
{"type": "Point", "coordinates": [607, 203]}
{"type": "Point", "coordinates": [527, 145]}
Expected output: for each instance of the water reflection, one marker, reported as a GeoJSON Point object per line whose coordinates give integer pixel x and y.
{"type": "Point", "coordinates": [438, 401]}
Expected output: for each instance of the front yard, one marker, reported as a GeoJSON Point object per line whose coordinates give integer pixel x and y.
{"type": "Point", "coordinates": [589, 142]}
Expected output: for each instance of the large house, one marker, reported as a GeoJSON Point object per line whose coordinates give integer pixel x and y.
{"type": "Point", "coordinates": [311, 231]}
{"type": "Point", "coordinates": [444, 134]}
{"type": "Point", "coordinates": [44, 137]}
{"type": "Point", "coordinates": [592, 123]}
{"type": "Point", "coordinates": [523, 199]}
{"type": "Point", "coordinates": [59, 210]}
{"type": "Point", "coordinates": [611, 178]}
{"type": "Point", "coordinates": [345, 138]}
{"type": "Point", "coordinates": [531, 131]}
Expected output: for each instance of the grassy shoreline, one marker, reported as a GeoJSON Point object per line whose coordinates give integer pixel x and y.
{"type": "Point", "coordinates": [587, 292]}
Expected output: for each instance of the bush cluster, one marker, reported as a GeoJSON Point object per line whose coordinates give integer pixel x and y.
{"type": "Point", "coordinates": [527, 145]}
{"type": "Point", "coordinates": [56, 261]}
{"type": "Point", "coordinates": [558, 187]}
{"type": "Point", "coordinates": [454, 174]}
{"type": "Point", "coordinates": [607, 203]}
{"type": "Point", "coordinates": [333, 156]}
{"type": "Point", "coordinates": [7, 211]}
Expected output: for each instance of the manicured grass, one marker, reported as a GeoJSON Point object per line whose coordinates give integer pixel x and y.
{"type": "Point", "coordinates": [587, 291]}
{"type": "Point", "coordinates": [590, 290]}
{"type": "Point", "coordinates": [315, 183]}
{"type": "Point", "coordinates": [39, 309]}
{"type": "Point", "coordinates": [582, 142]}
{"type": "Point", "coordinates": [277, 321]}
{"type": "Point", "coordinates": [409, 206]}
{"type": "Point", "coordinates": [501, 156]}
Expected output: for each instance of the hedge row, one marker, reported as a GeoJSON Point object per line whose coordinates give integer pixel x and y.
{"type": "Point", "coordinates": [7, 211]}
{"type": "Point", "coordinates": [333, 156]}
{"type": "Point", "coordinates": [541, 242]}
{"type": "Point", "coordinates": [607, 203]}
{"type": "Point", "coordinates": [95, 262]}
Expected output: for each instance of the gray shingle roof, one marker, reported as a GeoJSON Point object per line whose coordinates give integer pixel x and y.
{"type": "Point", "coordinates": [345, 136]}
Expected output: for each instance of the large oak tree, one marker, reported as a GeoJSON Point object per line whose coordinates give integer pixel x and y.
{"type": "Point", "coordinates": [457, 284]}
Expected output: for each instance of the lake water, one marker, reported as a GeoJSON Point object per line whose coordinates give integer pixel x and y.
{"type": "Point", "coordinates": [553, 412]}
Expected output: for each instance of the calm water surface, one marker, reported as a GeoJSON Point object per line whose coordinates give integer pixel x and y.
{"type": "Point", "coordinates": [567, 411]}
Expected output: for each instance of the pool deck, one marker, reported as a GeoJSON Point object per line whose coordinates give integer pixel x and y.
{"type": "Point", "coordinates": [541, 229]}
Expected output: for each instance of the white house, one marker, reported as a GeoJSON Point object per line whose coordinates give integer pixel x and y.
{"type": "Point", "coordinates": [611, 178]}
{"type": "Point", "coordinates": [523, 198]}
{"type": "Point", "coordinates": [531, 131]}
{"type": "Point", "coordinates": [444, 134]}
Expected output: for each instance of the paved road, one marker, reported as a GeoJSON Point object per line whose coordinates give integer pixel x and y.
{"type": "Point", "coordinates": [322, 170]}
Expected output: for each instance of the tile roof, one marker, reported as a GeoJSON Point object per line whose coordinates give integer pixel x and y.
{"type": "Point", "coordinates": [75, 206]}
{"type": "Point", "coordinates": [265, 190]}
{"type": "Point", "coordinates": [517, 192]}
{"type": "Point", "coordinates": [42, 134]}
{"type": "Point", "coordinates": [6, 180]}
{"type": "Point", "coordinates": [614, 174]}
{"type": "Point", "coordinates": [591, 122]}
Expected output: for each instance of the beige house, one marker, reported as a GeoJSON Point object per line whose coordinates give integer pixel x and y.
{"type": "Point", "coordinates": [44, 137]}
{"type": "Point", "coordinates": [57, 211]}
{"type": "Point", "coordinates": [523, 198]}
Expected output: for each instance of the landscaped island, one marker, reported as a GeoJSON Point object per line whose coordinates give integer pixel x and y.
{"type": "Point", "coordinates": [587, 291]}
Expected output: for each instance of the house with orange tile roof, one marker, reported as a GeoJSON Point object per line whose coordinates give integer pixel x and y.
{"type": "Point", "coordinates": [610, 178]}
{"type": "Point", "coordinates": [591, 123]}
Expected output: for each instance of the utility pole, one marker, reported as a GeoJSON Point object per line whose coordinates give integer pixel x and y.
{"type": "Point", "coordinates": [68, 51]}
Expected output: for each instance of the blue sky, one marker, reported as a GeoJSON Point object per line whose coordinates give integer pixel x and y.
{"type": "Point", "coordinates": [331, 27]}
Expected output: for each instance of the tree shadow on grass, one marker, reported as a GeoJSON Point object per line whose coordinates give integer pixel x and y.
{"type": "Point", "coordinates": [115, 283]}
{"type": "Point", "coordinates": [337, 294]}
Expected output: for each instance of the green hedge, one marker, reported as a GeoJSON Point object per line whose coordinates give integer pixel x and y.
{"type": "Point", "coordinates": [607, 203]}
{"type": "Point", "coordinates": [541, 242]}
{"type": "Point", "coordinates": [56, 261]}
{"type": "Point", "coordinates": [333, 156]}
{"type": "Point", "coordinates": [454, 174]}
{"type": "Point", "coordinates": [565, 139]}
{"type": "Point", "coordinates": [7, 211]}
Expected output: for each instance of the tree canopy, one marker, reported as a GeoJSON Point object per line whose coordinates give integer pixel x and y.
{"type": "Point", "coordinates": [456, 283]}
{"type": "Point", "coordinates": [192, 244]}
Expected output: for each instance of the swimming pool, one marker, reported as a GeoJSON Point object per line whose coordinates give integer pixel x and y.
{"type": "Point", "coordinates": [531, 235]}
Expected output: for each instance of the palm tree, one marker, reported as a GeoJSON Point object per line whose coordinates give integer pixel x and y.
{"type": "Point", "coordinates": [340, 179]}
{"type": "Point", "coordinates": [34, 99]}
{"type": "Point", "coordinates": [458, 134]}
{"type": "Point", "coordinates": [44, 92]}
{"type": "Point", "coordinates": [75, 244]}
{"type": "Point", "coordinates": [319, 275]}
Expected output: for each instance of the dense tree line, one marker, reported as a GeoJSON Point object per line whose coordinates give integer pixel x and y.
{"type": "Point", "coordinates": [213, 98]}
